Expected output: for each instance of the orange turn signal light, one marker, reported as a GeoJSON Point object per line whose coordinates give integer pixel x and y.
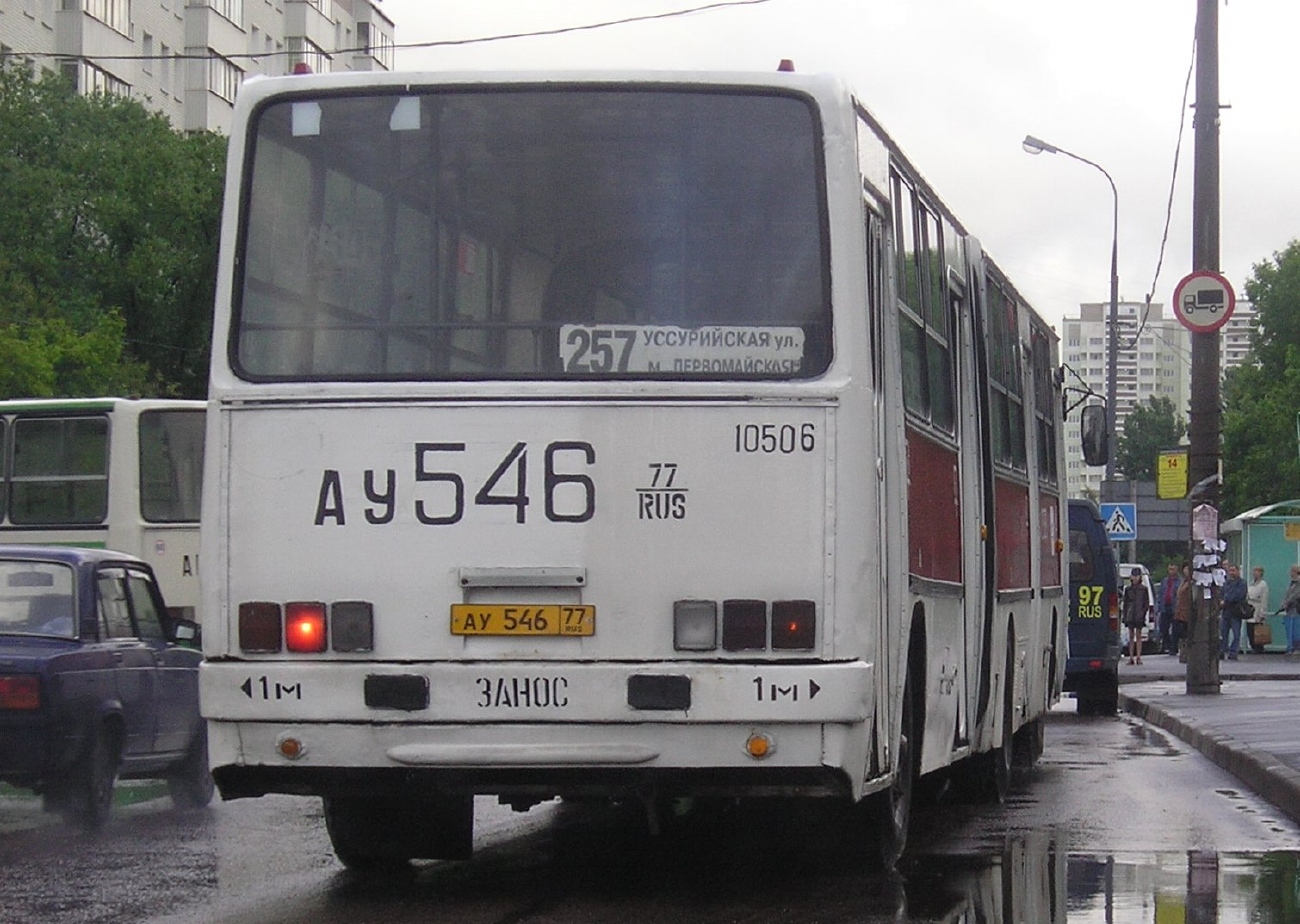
{"type": "Point", "coordinates": [759, 745]}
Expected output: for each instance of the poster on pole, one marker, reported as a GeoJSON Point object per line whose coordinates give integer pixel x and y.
{"type": "Point", "coordinates": [1171, 474]}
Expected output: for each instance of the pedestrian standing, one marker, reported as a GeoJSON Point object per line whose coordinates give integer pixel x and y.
{"type": "Point", "coordinates": [1257, 599]}
{"type": "Point", "coordinates": [1136, 607]}
{"type": "Point", "coordinates": [1231, 613]}
{"type": "Point", "coordinates": [1166, 598]}
{"type": "Point", "coordinates": [1183, 611]}
{"type": "Point", "coordinates": [1291, 607]}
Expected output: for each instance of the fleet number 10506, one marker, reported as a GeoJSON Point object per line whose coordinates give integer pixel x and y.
{"type": "Point", "coordinates": [774, 438]}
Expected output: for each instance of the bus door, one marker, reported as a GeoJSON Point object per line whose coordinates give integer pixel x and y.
{"type": "Point", "coordinates": [887, 629]}
{"type": "Point", "coordinates": [978, 459]}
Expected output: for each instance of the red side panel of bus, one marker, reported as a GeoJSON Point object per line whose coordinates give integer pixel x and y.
{"type": "Point", "coordinates": [1049, 531]}
{"type": "Point", "coordinates": [933, 510]}
{"type": "Point", "coordinates": [1011, 515]}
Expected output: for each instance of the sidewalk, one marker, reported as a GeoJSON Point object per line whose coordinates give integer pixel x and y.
{"type": "Point", "coordinates": [1249, 728]}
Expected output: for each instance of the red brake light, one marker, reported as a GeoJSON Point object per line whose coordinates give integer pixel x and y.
{"type": "Point", "coordinates": [304, 627]}
{"type": "Point", "coordinates": [794, 624]}
{"type": "Point", "coordinates": [20, 692]}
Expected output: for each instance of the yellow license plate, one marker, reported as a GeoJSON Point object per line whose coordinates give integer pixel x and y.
{"type": "Point", "coordinates": [520, 619]}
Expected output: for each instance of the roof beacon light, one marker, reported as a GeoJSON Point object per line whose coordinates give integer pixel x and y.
{"type": "Point", "coordinates": [786, 66]}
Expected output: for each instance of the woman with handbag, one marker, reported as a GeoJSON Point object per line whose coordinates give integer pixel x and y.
{"type": "Point", "coordinates": [1257, 598]}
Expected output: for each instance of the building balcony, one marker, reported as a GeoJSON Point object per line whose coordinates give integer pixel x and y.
{"type": "Point", "coordinates": [206, 28]}
{"type": "Point", "coordinates": [304, 19]}
{"type": "Point", "coordinates": [77, 34]}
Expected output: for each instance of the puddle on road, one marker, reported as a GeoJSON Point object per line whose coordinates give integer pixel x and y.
{"type": "Point", "coordinates": [1031, 882]}
{"type": "Point", "coordinates": [766, 866]}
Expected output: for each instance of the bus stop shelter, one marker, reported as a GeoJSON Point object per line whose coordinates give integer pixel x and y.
{"type": "Point", "coordinates": [1267, 537]}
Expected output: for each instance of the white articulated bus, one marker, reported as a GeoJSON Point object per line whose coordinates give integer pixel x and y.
{"type": "Point", "coordinates": [116, 473]}
{"type": "Point", "coordinates": [635, 435]}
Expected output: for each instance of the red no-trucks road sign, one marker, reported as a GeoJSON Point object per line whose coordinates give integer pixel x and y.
{"type": "Point", "coordinates": [1203, 301]}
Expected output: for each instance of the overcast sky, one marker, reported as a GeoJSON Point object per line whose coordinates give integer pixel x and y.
{"type": "Point", "coordinates": [959, 83]}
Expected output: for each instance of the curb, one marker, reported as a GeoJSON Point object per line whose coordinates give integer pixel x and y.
{"type": "Point", "coordinates": [1269, 777]}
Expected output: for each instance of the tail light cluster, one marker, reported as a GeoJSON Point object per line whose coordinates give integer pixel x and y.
{"type": "Point", "coordinates": [312, 627]}
{"type": "Point", "coordinates": [1112, 610]}
{"type": "Point", "coordinates": [747, 625]}
{"type": "Point", "coordinates": [20, 692]}
{"type": "Point", "coordinates": [306, 627]}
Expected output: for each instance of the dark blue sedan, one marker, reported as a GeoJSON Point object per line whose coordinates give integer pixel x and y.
{"type": "Point", "coordinates": [96, 682]}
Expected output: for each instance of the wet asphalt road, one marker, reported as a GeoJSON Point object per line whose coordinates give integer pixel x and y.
{"type": "Point", "coordinates": [1116, 823]}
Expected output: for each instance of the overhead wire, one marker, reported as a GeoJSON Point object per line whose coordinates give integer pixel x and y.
{"type": "Point", "coordinates": [438, 43]}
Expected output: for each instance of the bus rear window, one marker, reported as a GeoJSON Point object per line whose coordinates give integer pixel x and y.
{"type": "Point", "coordinates": [533, 234]}
{"type": "Point", "coordinates": [171, 465]}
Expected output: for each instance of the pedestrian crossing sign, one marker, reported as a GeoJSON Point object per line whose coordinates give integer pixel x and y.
{"type": "Point", "coordinates": [1121, 521]}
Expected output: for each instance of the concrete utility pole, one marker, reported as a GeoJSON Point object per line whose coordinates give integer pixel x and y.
{"type": "Point", "coordinates": [1205, 419]}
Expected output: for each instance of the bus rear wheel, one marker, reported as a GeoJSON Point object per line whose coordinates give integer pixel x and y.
{"type": "Point", "coordinates": [989, 777]}
{"type": "Point", "coordinates": [382, 834]}
{"type": "Point", "coordinates": [892, 809]}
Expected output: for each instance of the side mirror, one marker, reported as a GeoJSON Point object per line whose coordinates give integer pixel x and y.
{"type": "Point", "coordinates": [1094, 435]}
{"type": "Point", "coordinates": [185, 632]}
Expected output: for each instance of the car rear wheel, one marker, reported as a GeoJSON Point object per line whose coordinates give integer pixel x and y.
{"type": "Point", "coordinates": [90, 787]}
{"type": "Point", "coordinates": [191, 787]}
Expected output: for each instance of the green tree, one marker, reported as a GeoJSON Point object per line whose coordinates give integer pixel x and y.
{"type": "Point", "coordinates": [108, 237]}
{"type": "Point", "coordinates": [1148, 430]}
{"type": "Point", "coordinates": [1261, 399]}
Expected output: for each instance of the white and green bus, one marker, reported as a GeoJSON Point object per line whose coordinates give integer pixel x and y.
{"type": "Point", "coordinates": [117, 473]}
{"type": "Point", "coordinates": [619, 435]}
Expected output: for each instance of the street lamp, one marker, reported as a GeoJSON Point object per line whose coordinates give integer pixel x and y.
{"type": "Point", "coordinates": [1037, 146]}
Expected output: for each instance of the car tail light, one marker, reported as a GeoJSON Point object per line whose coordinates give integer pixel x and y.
{"type": "Point", "coordinates": [20, 692]}
{"type": "Point", "coordinates": [744, 625]}
{"type": "Point", "coordinates": [794, 624]}
{"type": "Point", "coordinates": [304, 627]}
{"type": "Point", "coordinates": [259, 627]}
{"type": "Point", "coordinates": [1112, 608]}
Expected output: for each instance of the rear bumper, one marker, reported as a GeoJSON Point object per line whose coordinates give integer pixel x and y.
{"type": "Point", "coordinates": [1084, 674]}
{"type": "Point", "coordinates": [531, 785]}
{"type": "Point", "coordinates": [539, 730]}
{"type": "Point", "coordinates": [474, 693]}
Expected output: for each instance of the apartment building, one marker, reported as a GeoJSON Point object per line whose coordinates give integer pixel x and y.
{"type": "Point", "coordinates": [187, 58]}
{"type": "Point", "coordinates": [1154, 360]}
